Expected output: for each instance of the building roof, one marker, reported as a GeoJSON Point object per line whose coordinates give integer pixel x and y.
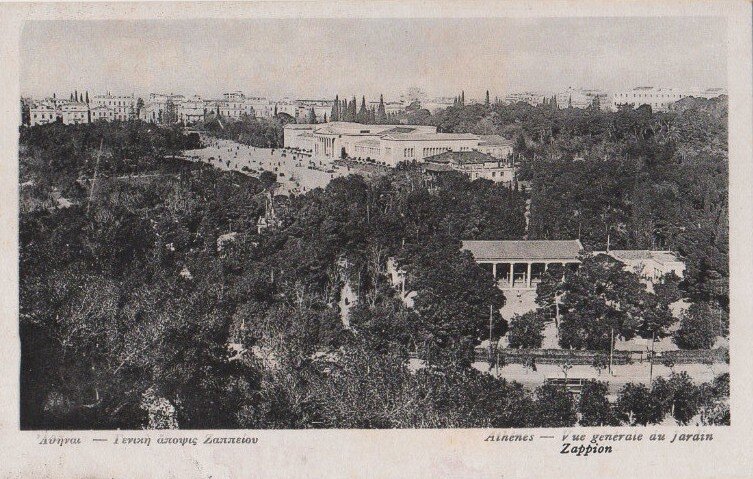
{"type": "Point", "coordinates": [642, 254]}
{"type": "Point", "coordinates": [430, 136]}
{"type": "Point", "coordinates": [494, 140]}
{"type": "Point", "coordinates": [399, 129]}
{"type": "Point", "coordinates": [299, 126]}
{"type": "Point", "coordinates": [524, 249]}
{"type": "Point", "coordinates": [437, 167]}
{"type": "Point", "coordinates": [461, 157]}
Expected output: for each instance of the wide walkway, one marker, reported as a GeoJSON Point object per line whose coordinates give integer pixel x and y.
{"type": "Point", "coordinates": [297, 173]}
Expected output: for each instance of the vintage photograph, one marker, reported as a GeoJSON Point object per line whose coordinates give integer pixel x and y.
{"type": "Point", "coordinates": [374, 223]}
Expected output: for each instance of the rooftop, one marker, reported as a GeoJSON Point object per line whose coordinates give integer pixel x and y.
{"type": "Point", "coordinates": [642, 254]}
{"type": "Point", "coordinates": [494, 140]}
{"type": "Point", "coordinates": [430, 136]}
{"type": "Point", "coordinates": [524, 249]}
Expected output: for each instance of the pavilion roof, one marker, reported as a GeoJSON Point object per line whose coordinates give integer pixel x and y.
{"type": "Point", "coordinates": [524, 249]}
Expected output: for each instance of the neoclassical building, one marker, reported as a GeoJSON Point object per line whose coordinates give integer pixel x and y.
{"type": "Point", "coordinates": [385, 144]}
{"type": "Point", "coordinates": [519, 264]}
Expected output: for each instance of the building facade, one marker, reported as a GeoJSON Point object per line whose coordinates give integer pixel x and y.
{"type": "Point", "coordinates": [474, 164]}
{"type": "Point", "coordinates": [42, 114]}
{"type": "Point", "coordinates": [582, 98]}
{"type": "Point", "coordinates": [123, 107]}
{"type": "Point", "coordinates": [191, 110]}
{"type": "Point", "coordinates": [660, 99]}
{"type": "Point", "coordinates": [390, 145]}
{"type": "Point", "coordinates": [74, 113]}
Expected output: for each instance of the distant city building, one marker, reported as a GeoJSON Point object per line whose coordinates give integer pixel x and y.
{"type": "Point", "coordinates": [123, 107]}
{"type": "Point", "coordinates": [259, 107]}
{"type": "Point", "coordinates": [101, 113]}
{"type": "Point", "coordinates": [413, 94]}
{"type": "Point", "coordinates": [390, 107]}
{"type": "Point", "coordinates": [532, 98]}
{"type": "Point", "coordinates": [660, 99]}
{"type": "Point", "coordinates": [161, 108]}
{"type": "Point", "coordinates": [320, 107]}
{"type": "Point", "coordinates": [436, 104]}
{"type": "Point", "coordinates": [41, 114]}
{"type": "Point", "coordinates": [232, 105]}
{"type": "Point", "coordinates": [582, 98]}
{"type": "Point", "coordinates": [74, 113]}
{"type": "Point", "coordinates": [191, 110]}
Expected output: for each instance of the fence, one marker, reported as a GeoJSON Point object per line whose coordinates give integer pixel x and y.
{"type": "Point", "coordinates": [576, 357]}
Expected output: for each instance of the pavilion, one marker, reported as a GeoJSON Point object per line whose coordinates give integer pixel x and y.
{"type": "Point", "coordinates": [519, 265]}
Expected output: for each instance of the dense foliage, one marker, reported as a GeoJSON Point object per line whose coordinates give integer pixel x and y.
{"type": "Point", "coordinates": [142, 276]}
{"type": "Point", "coordinates": [636, 178]}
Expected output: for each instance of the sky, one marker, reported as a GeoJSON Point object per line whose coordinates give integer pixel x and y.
{"type": "Point", "coordinates": [318, 58]}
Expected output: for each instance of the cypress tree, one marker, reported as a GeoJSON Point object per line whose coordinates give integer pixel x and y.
{"type": "Point", "coordinates": [381, 114]}
{"type": "Point", "coordinates": [333, 116]}
{"type": "Point", "coordinates": [363, 114]}
{"type": "Point", "coordinates": [462, 97]}
{"type": "Point", "coordinates": [87, 97]}
{"type": "Point", "coordinates": [487, 98]}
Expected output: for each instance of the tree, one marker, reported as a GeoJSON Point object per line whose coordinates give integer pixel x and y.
{"type": "Point", "coordinates": [363, 114]}
{"type": "Point", "coordinates": [594, 407]}
{"type": "Point", "coordinates": [311, 119]}
{"type": "Point", "coordinates": [139, 107]}
{"type": "Point", "coordinates": [453, 300]}
{"type": "Point", "coordinates": [554, 407]}
{"type": "Point", "coordinates": [602, 301]}
{"type": "Point", "coordinates": [698, 328]}
{"type": "Point", "coordinates": [335, 113]}
{"type": "Point", "coordinates": [526, 331]}
{"type": "Point", "coordinates": [381, 113]}
{"type": "Point", "coordinates": [550, 290]}
{"type": "Point", "coordinates": [87, 97]}
{"type": "Point", "coordinates": [667, 289]}
{"type": "Point", "coordinates": [636, 405]}
{"type": "Point", "coordinates": [268, 179]}
{"type": "Point", "coordinates": [25, 113]}
{"type": "Point", "coordinates": [486, 101]}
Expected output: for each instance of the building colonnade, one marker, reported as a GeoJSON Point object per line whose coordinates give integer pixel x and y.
{"type": "Point", "coordinates": [521, 274]}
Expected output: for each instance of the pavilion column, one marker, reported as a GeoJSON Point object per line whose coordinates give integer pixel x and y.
{"type": "Point", "coordinates": [528, 276]}
{"type": "Point", "coordinates": [512, 272]}
{"type": "Point", "coordinates": [494, 271]}
{"type": "Point", "coordinates": [546, 266]}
